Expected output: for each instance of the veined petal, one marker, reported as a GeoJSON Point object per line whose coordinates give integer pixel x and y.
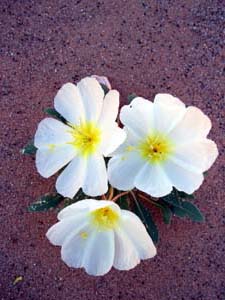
{"type": "Point", "coordinates": [126, 255]}
{"type": "Point", "coordinates": [122, 170]}
{"type": "Point", "coordinates": [58, 233]}
{"type": "Point", "coordinates": [168, 112]}
{"type": "Point", "coordinates": [95, 182]}
{"type": "Point", "coordinates": [99, 253]}
{"type": "Point", "coordinates": [109, 109]}
{"type": "Point", "coordinates": [138, 117]}
{"type": "Point", "coordinates": [69, 103]}
{"type": "Point", "coordinates": [194, 125]}
{"type": "Point", "coordinates": [152, 180]}
{"type": "Point", "coordinates": [183, 179]}
{"type": "Point", "coordinates": [112, 138]}
{"type": "Point", "coordinates": [92, 96]}
{"type": "Point", "coordinates": [49, 161]}
{"type": "Point", "coordinates": [197, 156]}
{"type": "Point", "coordinates": [51, 132]}
{"type": "Point", "coordinates": [71, 179]}
{"type": "Point", "coordinates": [75, 245]}
{"type": "Point", "coordinates": [130, 142]}
{"type": "Point", "coordinates": [137, 233]}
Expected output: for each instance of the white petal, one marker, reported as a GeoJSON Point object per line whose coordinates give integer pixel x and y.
{"type": "Point", "coordinates": [112, 138]}
{"type": "Point", "coordinates": [95, 182]}
{"type": "Point", "coordinates": [138, 117]}
{"type": "Point", "coordinates": [130, 141]}
{"type": "Point", "coordinates": [92, 96]}
{"type": "Point", "coordinates": [76, 208]}
{"type": "Point", "coordinates": [109, 109]}
{"type": "Point", "coordinates": [196, 156]}
{"type": "Point", "coordinates": [99, 254]}
{"type": "Point", "coordinates": [74, 247]}
{"type": "Point", "coordinates": [182, 179]}
{"type": "Point", "coordinates": [152, 180]}
{"type": "Point", "coordinates": [122, 169]}
{"type": "Point", "coordinates": [194, 125]}
{"type": "Point", "coordinates": [168, 111]}
{"type": "Point", "coordinates": [86, 205]}
{"type": "Point", "coordinates": [126, 255]}
{"type": "Point", "coordinates": [71, 179]}
{"type": "Point", "coordinates": [49, 161]}
{"type": "Point", "coordinates": [68, 103]}
{"type": "Point", "coordinates": [58, 233]}
{"type": "Point", "coordinates": [137, 233]}
{"type": "Point", "coordinates": [51, 132]}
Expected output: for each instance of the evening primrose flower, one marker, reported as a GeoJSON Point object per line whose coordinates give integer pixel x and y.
{"type": "Point", "coordinates": [166, 147]}
{"type": "Point", "coordinates": [90, 133]}
{"type": "Point", "coordinates": [97, 234]}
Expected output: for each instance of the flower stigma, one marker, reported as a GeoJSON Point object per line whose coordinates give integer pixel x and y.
{"type": "Point", "coordinates": [105, 218]}
{"type": "Point", "coordinates": [156, 148]}
{"type": "Point", "coordinates": [86, 138]}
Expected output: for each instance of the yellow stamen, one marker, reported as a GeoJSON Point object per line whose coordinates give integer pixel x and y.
{"type": "Point", "coordinates": [86, 138]}
{"type": "Point", "coordinates": [156, 148]}
{"type": "Point", "coordinates": [105, 218]}
{"type": "Point", "coordinates": [84, 235]}
{"type": "Point", "coordinates": [51, 147]}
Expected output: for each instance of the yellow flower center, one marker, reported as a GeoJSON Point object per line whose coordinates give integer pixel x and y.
{"type": "Point", "coordinates": [86, 137]}
{"type": "Point", "coordinates": [156, 148]}
{"type": "Point", "coordinates": [104, 218]}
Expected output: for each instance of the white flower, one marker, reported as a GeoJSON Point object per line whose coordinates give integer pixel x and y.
{"type": "Point", "coordinates": [166, 147]}
{"type": "Point", "coordinates": [90, 133]}
{"type": "Point", "coordinates": [97, 234]}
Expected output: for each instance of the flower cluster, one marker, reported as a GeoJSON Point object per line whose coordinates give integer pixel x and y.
{"type": "Point", "coordinates": [161, 152]}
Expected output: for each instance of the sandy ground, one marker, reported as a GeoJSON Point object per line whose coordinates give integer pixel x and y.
{"type": "Point", "coordinates": [144, 47]}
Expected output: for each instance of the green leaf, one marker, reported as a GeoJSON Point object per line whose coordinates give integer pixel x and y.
{"type": "Point", "coordinates": [53, 113]}
{"type": "Point", "coordinates": [192, 212]}
{"type": "Point", "coordinates": [184, 195]}
{"type": "Point", "coordinates": [131, 97]}
{"type": "Point", "coordinates": [146, 217]}
{"type": "Point", "coordinates": [172, 199]}
{"type": "Point", "coordinates": [78, 197]}
{"type": "Point", "coordinates": [183, 208]}
{"type": "Point", "coordinates": [105, 88]}
{"type": "Point", "coordinates": [123, 202]}
{"type": "Point", "coordinates": [166, 212]}
{"type": "Point", "coordinates": [29, 149]}
{"type": "Point", "coordinates": [46, 202]}
{"type": "Point", "coordinates": [179, 212]}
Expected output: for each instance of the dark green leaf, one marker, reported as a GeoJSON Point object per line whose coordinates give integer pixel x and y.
{"type": "Point", "coordinates": [53, 113]}
{"type": "Point", "coordinates": [105, 88]}
{"type": "Point", "coordinates": [45, 203]}
{"type": "Point", "coordinates": [192, 212]}
{"type": "Point", "coordinates": [123, 202]}
{"type": "Point", "coordinates": [184, 195]}
{"type": "Point", "coordinates": [183, 208]}
{"type": "Point", "coordinates": [146, 217]}
{"type": "Point", "coordinates": [79, 196]}
{"type": "Point", "coordinates": [166, 212]}
{"type": "Point", "coordinates": [29, 149]}
{"type": "Point", "coordinates": [179, 212]}
{"type": "Point", "coordinates": [172, 199]}
{"type": "Point", "coordinates": [131, 97]}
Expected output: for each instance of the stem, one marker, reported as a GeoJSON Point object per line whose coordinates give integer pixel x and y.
{"type": "Point", "coordinates": [138, 206]}
{"type": "Point", "coordinates": [111, 192]}
{"type": "Point", "coordinates": [103, 197]}
{"type": "Point", "coordinates": [149, 200]}
{"type": "Point", "coordinates": [119, 195]}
